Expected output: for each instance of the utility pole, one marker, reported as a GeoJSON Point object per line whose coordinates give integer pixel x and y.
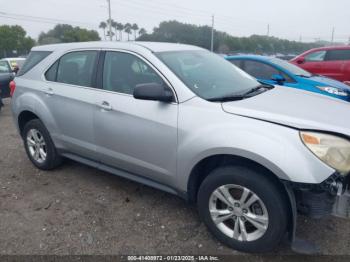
{"type": "Point", "coordinates": [268, 29]}
{"type": "Point", "coordinates": [333, 30]}
{"type": "Point", "coordinates": [212, 34]}
{"type": "Point", "coordinates": [300, 38]}
{"type": "Point", "coordinates": [109, 20]}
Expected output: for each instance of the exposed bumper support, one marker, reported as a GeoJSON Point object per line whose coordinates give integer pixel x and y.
{"type": "Point", "coordinates": [332, 197]}
{"type": "Point", "coordinates": [341, 207]}
{"type": "Point", "coordinates": [298, 245]}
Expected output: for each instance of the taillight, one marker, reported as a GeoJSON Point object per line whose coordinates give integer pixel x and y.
{"type": "Point", "coordinates": [12, 87]}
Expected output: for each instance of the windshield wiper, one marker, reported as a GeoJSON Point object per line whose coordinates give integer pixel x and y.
{"type": "Point", "coordinates": [233, 97]}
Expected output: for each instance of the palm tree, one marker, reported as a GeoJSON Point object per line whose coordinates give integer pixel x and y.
{"type": "Point", "coordinates": [142, 31]}
{"type": "Point", "coordinates": [120, 28]}
{"type": "Point", "coordinates": [114, 26]}
{"type": "Point", "coordinates": [135, 27]}
{"type": "Point", "coordinates": [127, 29]}
{"type": "Point", "coordinates": [103, 25]}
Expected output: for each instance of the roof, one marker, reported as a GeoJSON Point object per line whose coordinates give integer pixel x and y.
{"type": "Point", "coordinates": [333, 47]}
{"type": "Point", "coordinates": [255, 57]}
{"type": "Point", "coordinates": [152, 46]}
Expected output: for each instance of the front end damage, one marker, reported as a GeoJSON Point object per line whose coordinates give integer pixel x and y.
{"type": "Point", "coordinates": [329, 198]}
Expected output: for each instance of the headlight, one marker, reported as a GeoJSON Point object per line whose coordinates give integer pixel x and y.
{"type": "Point", "coordinates": [333, 90]}
{"type": "Point", "coordinates": [332, 150]}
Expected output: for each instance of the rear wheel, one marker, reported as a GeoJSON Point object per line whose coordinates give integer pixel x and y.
{"type": "Point", "coordinates": [243, 209]}
{"type": "Point", "coordinates": [39, 146]}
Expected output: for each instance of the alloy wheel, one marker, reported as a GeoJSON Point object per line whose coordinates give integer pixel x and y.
{"type": "Point", "coordinates": [238, 212]}
{"type": "Point", "coordinates": [36, 145]}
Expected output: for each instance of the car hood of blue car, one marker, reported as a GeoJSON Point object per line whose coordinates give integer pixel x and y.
{"type": "Point", "coordinates": [316, 80]}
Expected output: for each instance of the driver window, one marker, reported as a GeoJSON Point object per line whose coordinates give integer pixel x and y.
{"type": "Point", "coordinates": [123, 71]}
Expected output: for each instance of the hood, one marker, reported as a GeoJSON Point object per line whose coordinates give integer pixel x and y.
{"type": "Point", "coordinates": [295, 108]}
{"type": "Point", "coordinates": [325, 81]}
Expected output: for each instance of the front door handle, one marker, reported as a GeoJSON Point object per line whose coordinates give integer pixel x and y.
{"type": "Point", "coordinates": [49, 91]}
{"type": "Point", "coordinates": [106, 106]}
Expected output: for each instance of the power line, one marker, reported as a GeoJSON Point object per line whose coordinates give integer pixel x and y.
{"type": "Point", "coordinates": [40, 19]}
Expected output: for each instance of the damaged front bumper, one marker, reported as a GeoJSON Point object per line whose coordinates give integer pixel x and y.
{"type": "Point", "coordinates": [331, 197]}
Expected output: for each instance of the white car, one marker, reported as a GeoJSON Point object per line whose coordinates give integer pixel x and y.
{"type": "Point", "coordinates": [15, 62]}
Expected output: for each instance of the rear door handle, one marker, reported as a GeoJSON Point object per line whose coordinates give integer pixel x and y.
{"type": "Point", "coordinates": [49, 91]}
{"type": "Point", "coordinates": [105, 106]}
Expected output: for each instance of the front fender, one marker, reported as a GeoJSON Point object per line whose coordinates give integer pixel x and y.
{"type": "Point", "coordinates": [276, 147]}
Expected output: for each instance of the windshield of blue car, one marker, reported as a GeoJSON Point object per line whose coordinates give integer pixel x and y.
{"type": "Point", "coordinates": [4, 67]}
{"type": "Point", "coordinates": [208, 75]}
{"type": "Point", "coordinates": [295, 70]}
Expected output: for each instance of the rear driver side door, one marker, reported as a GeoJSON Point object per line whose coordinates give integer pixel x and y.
{"type": "Point", "coordinates": [134, 135]}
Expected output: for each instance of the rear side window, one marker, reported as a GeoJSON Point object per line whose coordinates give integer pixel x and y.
{"type": "Point", "coordinates": [334, 55]}
{"type": "Point", "coordinates": [75, 68]}
{"type": "Point", "coordinates": [51, 74]}
{"type": "Point", "coordinates": [34, 58]}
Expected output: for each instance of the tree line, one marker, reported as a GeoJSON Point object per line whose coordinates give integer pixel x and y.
{"type": "Point", "coordinates": [14, 41]}
{"type": "Point", "coordinates": [63, 33]}
{"type": "Point", "coordinates": [176, 32]}
{"type": "Point", "coordinates": [119, 28]}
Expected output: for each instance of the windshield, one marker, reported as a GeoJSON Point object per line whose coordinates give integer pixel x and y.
{"type": "Point", "coordinates": [295, 70]}
{"type": "Point", "coordinates": [4, 67]}
{"type": "Point", "coordinates": [206, 74]}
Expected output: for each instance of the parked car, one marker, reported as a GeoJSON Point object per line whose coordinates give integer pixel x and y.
{"type": "Point", "coordinates": [182, 119]}
{"type": "Point", "coordinates": [6, 76]}
{"type": "Point", "coordinates": [274, 71]}
{"type": "Point", "coordinates": [15, 63]}
{"type": "Point", "coordinates": [333, 62]}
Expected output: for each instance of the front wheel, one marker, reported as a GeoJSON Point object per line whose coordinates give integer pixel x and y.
{"type": "Point", "coordinates": [243, 209]}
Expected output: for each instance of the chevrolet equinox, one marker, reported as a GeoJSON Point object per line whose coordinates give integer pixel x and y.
{"type": "Point", "coordinates": [182, 119]}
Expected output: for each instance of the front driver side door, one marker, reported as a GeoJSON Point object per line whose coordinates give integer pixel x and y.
{"type": "Point", "coordinates": [133, 135]}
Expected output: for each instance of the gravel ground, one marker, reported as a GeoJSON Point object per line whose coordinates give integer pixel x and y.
{"type": "Point", "coordinates": [80, 210]}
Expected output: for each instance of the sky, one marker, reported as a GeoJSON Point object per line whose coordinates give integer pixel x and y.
{"type": "Point", "coordinates": [308, 20]}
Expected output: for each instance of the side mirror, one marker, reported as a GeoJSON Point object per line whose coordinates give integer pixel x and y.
{"type": "Point", "coordinates": [279, 79]}
{"type": "Point", "coordinates": [153, 91]}
{"type": "Point", "coordinates": [300, 60]}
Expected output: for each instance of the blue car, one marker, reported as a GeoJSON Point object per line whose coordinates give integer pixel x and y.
{"type": "Point", "coordinates": [274, 71]}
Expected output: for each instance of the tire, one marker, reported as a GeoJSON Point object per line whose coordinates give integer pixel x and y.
{"type": "Point", "coordinates": [270, 208]}
{"type": "Point", "coordinates": [35, 128]}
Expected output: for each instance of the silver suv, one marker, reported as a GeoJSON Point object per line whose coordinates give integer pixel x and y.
{"type": "Point", "coordinates": [183, 120]}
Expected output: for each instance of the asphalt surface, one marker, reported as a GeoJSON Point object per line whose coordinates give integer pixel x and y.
{"type": "Point", "coordinates": [80, 210]}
